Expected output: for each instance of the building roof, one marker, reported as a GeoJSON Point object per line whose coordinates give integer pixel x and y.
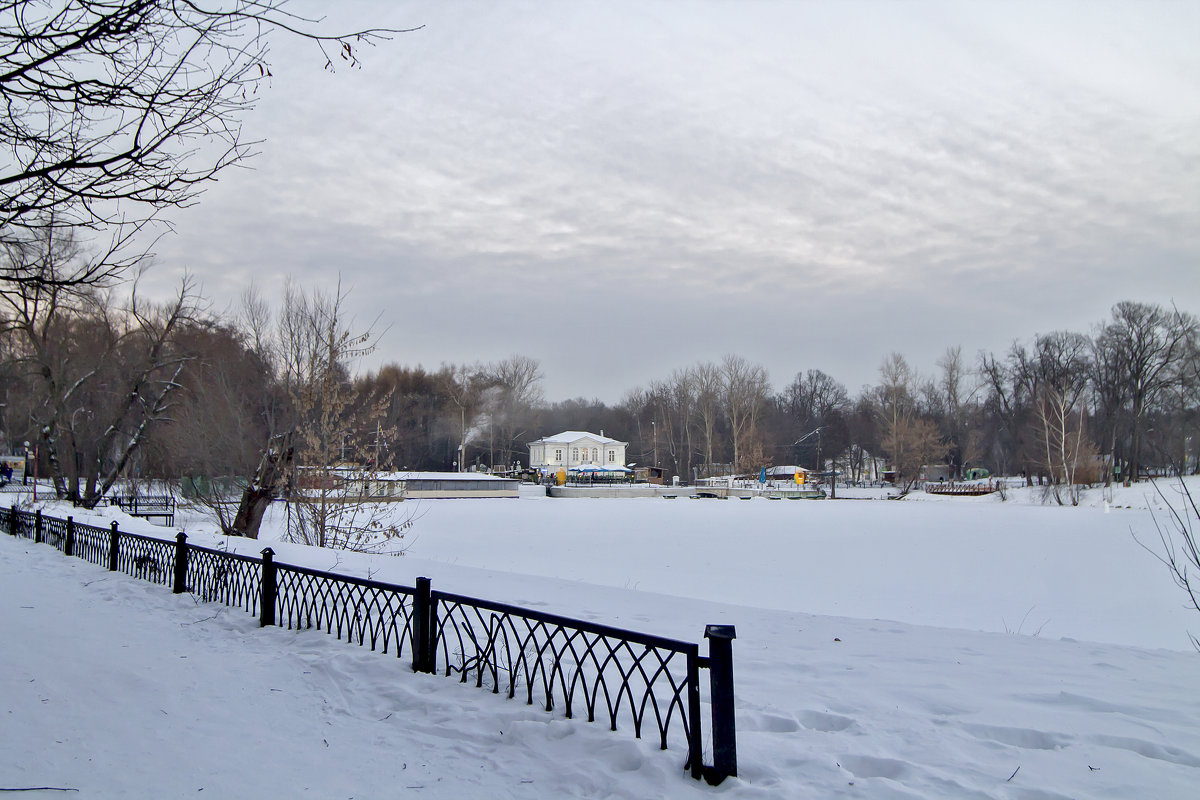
{"type": "Point", "coordinates": [443, 476]}
{"type": "Point", "coordinates": [420, 476]}
{"type": "Point", "coordinates": [568, 437]}
{"type": "Point", "coordinates": [786, 470]}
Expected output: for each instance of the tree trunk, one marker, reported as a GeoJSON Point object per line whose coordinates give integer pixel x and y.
{"type": "Point", "coordinates": [257, 496]}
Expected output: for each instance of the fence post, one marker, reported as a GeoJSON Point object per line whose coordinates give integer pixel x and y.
{"type": "Point", "coordinates": [695, 723]}
{"type": "Point", "coordinates": [423, 659]}
{"type": "Point", "coordinates": [12, 521]}
{"type": "Point", "coordinates": [431, 636]}
{"type": "Point", "coordinates": [37, 527]}
{"type": "Point", "coordinates": [720, 674]}
{"type": "Point", "coordinates": [267, 590]}
{"type": "Point", "coordinates": [69, 543]}
{"type": "Point", "coordinates": [114, 544]}
{"type": "Point", "coordinates": [181, 559]}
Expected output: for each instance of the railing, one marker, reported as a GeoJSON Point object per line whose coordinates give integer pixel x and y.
{"type": "Point", "coordinates": [964, 488]}
{"type": "Point", "coordinates": [607, 674]}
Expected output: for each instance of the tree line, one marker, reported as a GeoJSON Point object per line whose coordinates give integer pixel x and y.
{"type": "Point", "coordinates": [1062, 409]}
{"type": "Point", "coordinates": [106, 386]}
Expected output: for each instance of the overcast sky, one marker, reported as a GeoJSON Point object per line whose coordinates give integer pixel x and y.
{"type": "Point", "coordinates": [621, 188]}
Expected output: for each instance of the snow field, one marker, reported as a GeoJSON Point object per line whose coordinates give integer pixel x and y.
{"type": "Point", "coordinates": [120, 689]}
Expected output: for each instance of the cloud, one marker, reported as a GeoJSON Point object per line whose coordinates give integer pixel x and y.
{"type": "Point", "coordinates": [873, 177]}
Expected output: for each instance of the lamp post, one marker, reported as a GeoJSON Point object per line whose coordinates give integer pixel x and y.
{"type": "Point", "coordinates": [35, 475]}
{"type": "Point", "coordinates": [654, 432]}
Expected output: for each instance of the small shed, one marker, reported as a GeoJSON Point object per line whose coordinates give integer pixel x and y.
{"type": "Point", "coordinates": [648, 475]}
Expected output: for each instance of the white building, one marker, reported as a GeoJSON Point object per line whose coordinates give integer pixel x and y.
{"type": "Point", "coordinates": [575, 449]}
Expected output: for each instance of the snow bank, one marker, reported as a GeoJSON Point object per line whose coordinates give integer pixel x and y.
{"type": "Point", "coordinates": [120, 689]}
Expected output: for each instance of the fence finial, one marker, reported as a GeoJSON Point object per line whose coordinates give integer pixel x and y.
{"type": "Point", "coordinates": [266, 594]}
{"type": "Point", "coordinates": [181, 559]}
{"type": "Point", "coordinates": [114, 546]}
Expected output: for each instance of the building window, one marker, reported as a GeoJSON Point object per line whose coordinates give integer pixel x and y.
{"type": "Point", "coordinates": [595, 454]}
{"type": "Point", "coordinates": [575, 454]}
{"type": "Point", "coordinates": [558, 456]}
{"type": "Point", "coordinates": [612, 456]}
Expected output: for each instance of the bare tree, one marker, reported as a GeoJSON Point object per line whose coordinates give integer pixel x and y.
{"type": "Point", "coordinates": [464, 385]}
{"type": "Point", "coordinates": [227, 408]}
{"type": "Point", "coordinates": [862, 433]}
{"type": "Point", "coordinates": [105, 373]}
{"type": "Point", "coordinates": [1179, 545]}
{"type": "Point", "coordinates": [896, 389]}
{"type": "Point", "coordinates": [707, 379]}
{"type": "Point", "coordinates": [46, 253]}
{"type": "Point", "coordinates": [1011, 388]}
{"type": "Point", "coordinates": [682, 385]}
{"type": "Point", "coordinates": [745, 388]}
{"type": "Point", "coordinates": [813, 396]}
{"type": "Point", "coordinates": [912, 443]}
{"type": "Point", "coordinates": [233, 415]}
{"type": "Point", "coordinates": [1060, 376]}
{"type": "Point", "coordinates": [673, 406]}
{"type": "Point", "coordinates": [330, 495]}
{"type": "Point", "coordinates": [1138, 356]}
{"type": "Point", "coordinates": [117, 105]}
{"type": "Point", "coordinates": [958, 389]}
{"type": "Point", "coordinates": [515, 388]}
{"type": "Point", "coordinates": [812, 401]}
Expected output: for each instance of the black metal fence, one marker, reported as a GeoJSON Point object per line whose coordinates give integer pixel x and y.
{"type": "Point", "coordinates": [148, 506]}
{"type": "Point", "coordinates": [603, 673]}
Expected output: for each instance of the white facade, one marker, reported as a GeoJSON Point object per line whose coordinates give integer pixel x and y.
{"type": "Point", "coordinates": [575, 449]}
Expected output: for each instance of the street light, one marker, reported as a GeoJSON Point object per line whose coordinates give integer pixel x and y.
{"type": "Point", "coordinates": [654, 431]}
{"type": "Point", "coordinates": [817, 432]}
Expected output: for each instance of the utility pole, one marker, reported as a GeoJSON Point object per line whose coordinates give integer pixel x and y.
{"type": "Point", "coordinates": [378, 444]}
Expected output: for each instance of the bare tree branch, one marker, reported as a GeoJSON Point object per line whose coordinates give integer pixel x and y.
{"type": "Point", "coordinates": [114, 105]}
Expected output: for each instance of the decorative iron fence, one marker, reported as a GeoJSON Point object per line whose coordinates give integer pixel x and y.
{"type": "Point", "coordinates": [507, 649]}
{"type": "Point", "coordinates": [606, 674]}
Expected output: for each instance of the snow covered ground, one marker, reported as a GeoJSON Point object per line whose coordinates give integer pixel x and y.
{"type": "Point", "coordinates": [932, 647]}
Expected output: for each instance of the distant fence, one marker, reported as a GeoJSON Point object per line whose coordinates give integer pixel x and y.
{"type": "Point", "coordinates": [604, 673]}
{"type": "Point", "coordinates": [960, 488]}
{"type": "Point", "coordinates": [147, 506]}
